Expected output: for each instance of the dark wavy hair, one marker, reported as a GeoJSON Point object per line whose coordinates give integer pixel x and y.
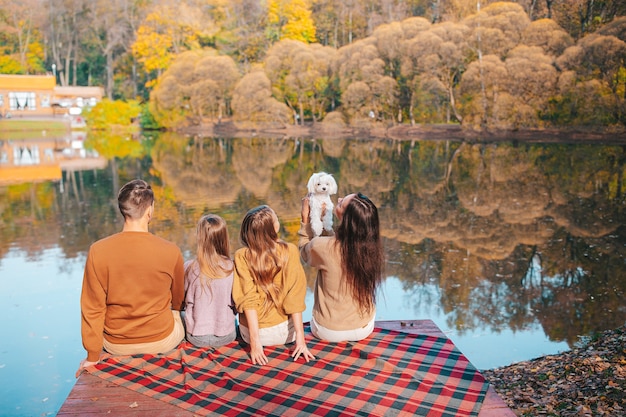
{"type": "Point", "coordinates": [134, 198]}
{"type": "Point", "coordinates": [358, 237]}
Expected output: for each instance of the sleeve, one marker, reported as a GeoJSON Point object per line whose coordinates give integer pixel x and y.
{"type": "Point", "coordinates": [295, 280]}
{"type": "Point", "coordinates": [93, 310]}
{"type": "Point", "coordinates": [190, 294]}
{"type": "Point", "coordinates": [245, 291]}
{"type": "Point", "coordinates": [306, 242]}
{"type": "Point", "coordinates": [178, 283]}
{"type": "Point", "coordinates": [305, 235]}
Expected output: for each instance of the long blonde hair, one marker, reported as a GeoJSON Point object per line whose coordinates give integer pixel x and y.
{"type": "Point", "coordinates": [212, 249]}
{"type": "Point", "coordinates": [266, 253]}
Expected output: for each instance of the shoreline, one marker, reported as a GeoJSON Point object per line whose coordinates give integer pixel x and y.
{"type": "Point", "coordinates": [587, 380]}
{"type": "Point", "coordinates": [404, 132]}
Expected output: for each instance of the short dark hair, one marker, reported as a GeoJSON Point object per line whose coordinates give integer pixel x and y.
{"type": "Point", "coordinates": [134, 198]}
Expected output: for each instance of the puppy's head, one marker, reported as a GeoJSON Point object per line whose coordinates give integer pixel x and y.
{"type": "Point", "coordinates": [322, 183]}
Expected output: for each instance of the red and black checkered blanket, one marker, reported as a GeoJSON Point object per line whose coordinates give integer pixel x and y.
{"type": "Point", "coordinates": [388, 374]}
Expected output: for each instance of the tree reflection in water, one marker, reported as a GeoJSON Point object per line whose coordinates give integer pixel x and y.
{"type": "Point", "coordinates": [509, 235]}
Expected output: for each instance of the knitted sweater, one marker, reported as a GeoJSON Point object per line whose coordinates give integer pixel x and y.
{"type": "Point", "coordinates": [334, 307]}
{"type": "Point", "coordinates": [247, 295]}
{"type": "Point", "coordinates": [132, 281]}
{"type": "Point", "coordinates": [208, 310]}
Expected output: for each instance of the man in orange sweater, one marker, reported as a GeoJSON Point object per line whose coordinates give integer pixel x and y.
{"type": "Point", "coordinates": [133, 286]}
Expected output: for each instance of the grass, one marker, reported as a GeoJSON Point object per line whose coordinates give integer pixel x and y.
{"type": "Point", "coordinates": [12, 129]}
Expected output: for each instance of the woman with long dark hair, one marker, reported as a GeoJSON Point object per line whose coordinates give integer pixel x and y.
{"type": "Point", "coordinates": [350, 269]}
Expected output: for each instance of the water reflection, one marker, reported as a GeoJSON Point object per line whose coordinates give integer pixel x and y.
{"type": "Point", "coordinates": [510, 234]}
{"type": "Point", "coordinates": [494, 241]}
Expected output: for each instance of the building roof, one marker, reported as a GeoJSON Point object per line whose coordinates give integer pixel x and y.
{"type": "Point", "coordinates": [29, 173]}
{"type": "Point", "coordinates": [26, 82]}
{"type": "Point", "coordinates": [79, 91]}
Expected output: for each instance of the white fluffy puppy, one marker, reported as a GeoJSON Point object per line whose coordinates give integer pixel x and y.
{"type": "Point", "coordinates": [321, 186]}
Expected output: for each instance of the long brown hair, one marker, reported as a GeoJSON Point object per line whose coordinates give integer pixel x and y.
{"type": "Point", "coordinates": [212, 249]}
{"type": "Point", "coordinates": [358, 237]}
{"type": "Point", "coordinates": [266, 253]}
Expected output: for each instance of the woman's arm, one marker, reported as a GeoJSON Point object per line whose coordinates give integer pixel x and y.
{"type": "Point", "coordinates": [256, 348]}
{"type": "Point", "coordinates": [301, 347]}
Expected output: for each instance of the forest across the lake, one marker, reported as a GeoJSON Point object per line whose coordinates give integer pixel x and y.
{"type": "Point", "coordinates": [483, 65]}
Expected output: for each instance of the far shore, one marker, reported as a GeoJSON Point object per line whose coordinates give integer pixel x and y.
{"type": "Point", "coordinates": [405, 132]}
{"type": "Point", "coordinates": [398, 132]}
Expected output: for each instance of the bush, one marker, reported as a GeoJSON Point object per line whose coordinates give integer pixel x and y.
{"type": "Point", "coordinates": [109, 114]}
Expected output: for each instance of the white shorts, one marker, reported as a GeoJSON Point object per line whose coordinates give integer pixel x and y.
{"type": "Point", "coordinates": [335, 336]}
{"type": "Point", "coordinates": [279, 334]}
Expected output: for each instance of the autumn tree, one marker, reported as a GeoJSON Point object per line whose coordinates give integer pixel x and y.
{"type": "Point", "coordinates": [195, 88]}
{"type": "Point", "coordinates": [242, 35]}
{"type": "Point", "coordinates": [366, 90]}
{"type": "Point", "coordinates": [434, 61]}
{"type": "Point", "coordinates": [111, 32]}
{"type": "Point", "coordinates": [301, 76]}
{"type": "Point", "coordinates": [22, 46]}
{"type": "Point", "coordinates": [486, 103]}
{"type": "Point", "coordinates": [339, 22]}
{"type": "Point", "coordinates": [253, 103]}
{"type": "Point", "coordinates": [582, 17]}
{"type": "Point", "coordinates": [290, 19]}
{"type": "Point", "coordinates": [593, 81]}
{"type": "Point", "coordinates": [67, 22]}
{"type": "Point", "coordinates": [532, 82]}
{"type": "Point", "coordinates": [390, 40]}
{"type": "Point", "coordinates": [497, 28]}
{"type": "Point", "coordinates": [170, 29]}
{"type": "Point", "coordinates": [615, 28]}
{"type": "Point", "coordinates": [548, 35]}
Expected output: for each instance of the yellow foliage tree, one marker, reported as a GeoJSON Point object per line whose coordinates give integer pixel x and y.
{"type": "Point", "coordinates": [167, 32]}
{"type": "Point", "coordinates": [152, 49]}
{"type": "Point", "coordinates": [290, 19]}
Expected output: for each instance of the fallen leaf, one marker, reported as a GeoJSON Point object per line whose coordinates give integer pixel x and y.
{"type": "Point", "coordinates": [134, 405]}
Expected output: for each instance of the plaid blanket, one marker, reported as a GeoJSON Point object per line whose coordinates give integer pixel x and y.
{"type": "Point", "coordinates": [388, 374]}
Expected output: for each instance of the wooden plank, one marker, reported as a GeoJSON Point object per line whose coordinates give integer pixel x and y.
{"type": "Point", "coordinates": [95, 397]}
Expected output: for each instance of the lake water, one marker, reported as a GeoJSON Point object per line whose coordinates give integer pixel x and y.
{"type": "Point", "coordinates": [514, 251]}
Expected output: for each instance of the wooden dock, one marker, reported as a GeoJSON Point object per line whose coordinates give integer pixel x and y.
{"type": "Point", "coordinates": [93, 396]}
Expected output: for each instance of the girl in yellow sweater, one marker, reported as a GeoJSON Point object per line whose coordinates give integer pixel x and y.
{"type": "Point", "coordinates": [269, 287]}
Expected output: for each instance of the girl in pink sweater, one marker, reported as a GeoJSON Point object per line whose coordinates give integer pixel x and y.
{"type": "Point", "coordinates": [209, 313]}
